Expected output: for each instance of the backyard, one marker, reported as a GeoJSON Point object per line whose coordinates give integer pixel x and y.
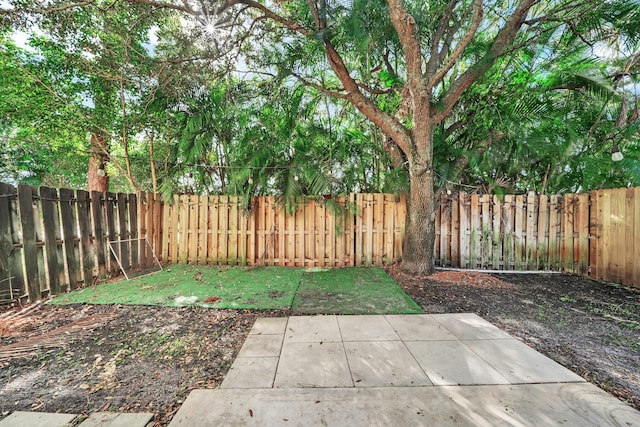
{"type": "Point", "coordinates": [127, 351]}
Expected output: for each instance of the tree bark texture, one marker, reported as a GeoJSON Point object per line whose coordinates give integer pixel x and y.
{"type": "Point", "coordinates": [97, 160]}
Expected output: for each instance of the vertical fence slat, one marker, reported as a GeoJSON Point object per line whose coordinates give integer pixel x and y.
{"type": "Point", "coordinates": [378, 227]}
{"type": "Point", "coordinates": [555, 215]}
{"type": "Point", "coordinates": [182, 254]}
{"type": "Point", "coordinates": [86, 241]}
{"type": "Point", "coordinates": [519, 225]}
{"type": "Point", "coordinates": [636, 233]}
{"type": "Point", "coordinates": [475, 240]}
{"type": "Point", "coordinates": [606, 236]}
{"type": "Point", "coordinates": [271, 229]}
{"type": "Point", "coordinates": [233, 231]}
{"type": "Point", "coordinates": [388, 256]}
{"type": "Point", "coordinates": [123, 233]}
{"type": "Point", "coordinates": [243, 224]}
{"type": "Point", "coordinates": [110, 215]}
{"type": "Point", "coordinates": [464, 229]}
{"type": "Point", "coordinates": [281, 240]}
{"type": "Point", "coordinates": [367, 235]}
{"type": "Point", "coordinates": [310, 227]}
{"type": "Point", "coordinates": [69, 233]}
{"type": "Point", "coordinates": [192, 230]}
{"type": "Point", "coordinates": [567, 233]}
{"type": "Point", "coordinates": [619, 226]}
{"type": "Point", "coordinates": [151, 228]}
{"type": "Point", "coordinates": [174, 210]}
{"type": "Point", "coordinates": [496, 233]}
{"type": "Point", "coordinates": [300, 234]}
{"type": "Point", "coordinates": [133, 230]}
{"type": "Point", "coordinates": [542, 253]}
{"type": "Point", "coordinates": [26, 202]}
{"type": "Point", "coordinates": [531, 231]}
{"type": "Point", "coordinates": [629, 235]}
{"type": "Point", "coordinates": [507, 233]}
{"type": "Point", "coordinates": [202, 232]}
{"type": "Point", "coordinates": [163, 252]}
{"type": "Point", "coordinates": [487, 241]}
{"type": "Point", "coordinates": [455, 231]}
{"type": "Point", "coordinates": [583, 234]}
{"type": "Point", "coordinates": [595, 230]}
{"type": "Point", "coordinates": [49, 202]}
{"type": "Point", "coordinates": [212, 245]}
{"type": "Point", "coordinates": [6, 243]}
{"type": "Point", "coordinates": [97, 213]}
{"type": "Point", "coordinates": [225, 229]}
{"type": "Point", "coordinates": [142, 229]}
{"type": "Point", "coordinates": [290, 238]}
{"type": "Point", "coordinates": [321, 227]}
{"type": "Point", "coordinates": [445, 238]}
{"type": "Point", "coordinates": [11, 265]}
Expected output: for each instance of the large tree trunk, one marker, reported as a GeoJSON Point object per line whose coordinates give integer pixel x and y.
{"type": "Point", "coordinates": [419, 238]}
{"type": "Point", "coordinates": [97, 181]}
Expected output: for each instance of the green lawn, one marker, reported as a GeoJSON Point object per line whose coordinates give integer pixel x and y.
{"type": "Point", "coordinates": [312, 291]}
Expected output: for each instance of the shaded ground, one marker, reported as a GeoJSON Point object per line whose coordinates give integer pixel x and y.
{"type": "Point", "coordinates": [591, 327]}
{"type": "Point", "coordinates": [145, 358]}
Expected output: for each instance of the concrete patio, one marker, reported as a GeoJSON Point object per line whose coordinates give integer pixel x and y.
{"type": "Point", "coordinates": [447, 369]}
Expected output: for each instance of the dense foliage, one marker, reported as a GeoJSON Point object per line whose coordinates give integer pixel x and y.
{"type": "Point", "coordinates": [544, 118]}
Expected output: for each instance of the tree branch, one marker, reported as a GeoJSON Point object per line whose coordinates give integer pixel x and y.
{"type": "Point", "coordinates": [319, 87]}
{"type": "Point", "coordinates": [45, 11]}
{"type": "Point", "coordinates": [434, 57]}
{"type": "Point", "coordinates": [271, 15]}
{"type": "Point", "coordinates": [386, 122]}
{"type": "Point", "coordinates": [499, 46]}
{"type": "Point", "coordinates": [405, 26]}
{"type": "Point", "coordinates": [476, 18]}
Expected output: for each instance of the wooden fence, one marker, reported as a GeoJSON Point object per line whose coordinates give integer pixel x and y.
{"type": "Point", "coordinates": [361, 229]}
{"type": "Point", "coordinates": [56, 240]}
{"type": "Point", "coordinates": [615, 235]}
{"type": "Point", "coordinates": [534, 232]}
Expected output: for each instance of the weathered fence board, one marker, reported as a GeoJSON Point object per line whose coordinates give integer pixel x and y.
{"type": "Point", "coordinates": [517, 232]}
{"type": "Point", "coordinates": [49, 199]}
{"type": "Point", "coordinates": [53, 240]}
{"type": "Point", "coordinates": [12, 283]}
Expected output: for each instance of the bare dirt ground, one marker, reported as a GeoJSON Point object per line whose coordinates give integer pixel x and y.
{"type": "Point", "coordinates": [82, 359]}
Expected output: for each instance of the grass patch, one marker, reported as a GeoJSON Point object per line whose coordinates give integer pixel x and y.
{"type": "Point", "coordinates": [204, 286]}
{"type": "Point", "coordinates": [351, 291]}
{"type": "Point", "coordinates": [312, 291]}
